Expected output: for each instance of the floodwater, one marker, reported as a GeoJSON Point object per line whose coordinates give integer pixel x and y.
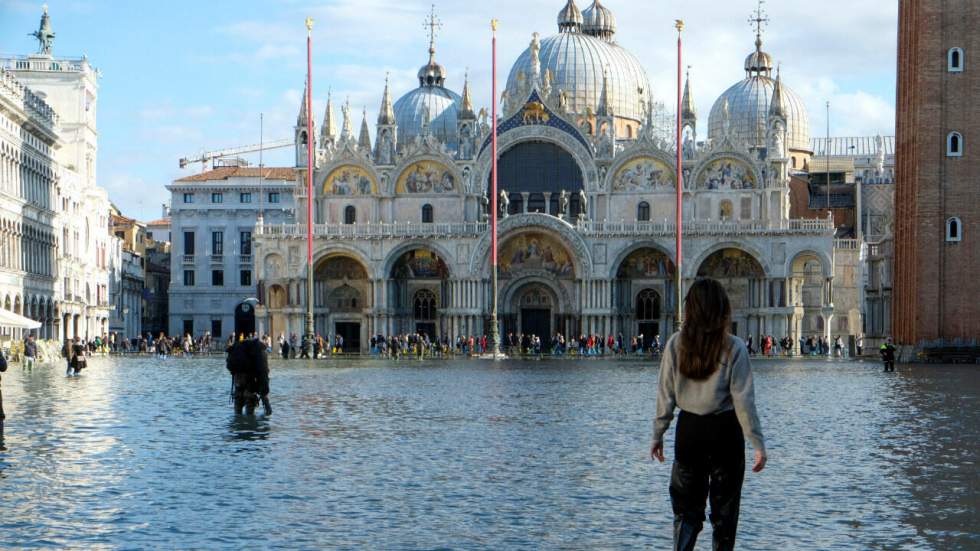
{"type": "Point", "coordinates": [366, 454]}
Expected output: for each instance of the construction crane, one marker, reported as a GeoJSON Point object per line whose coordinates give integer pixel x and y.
{"type": "Point", "coordinates": [212, 156]}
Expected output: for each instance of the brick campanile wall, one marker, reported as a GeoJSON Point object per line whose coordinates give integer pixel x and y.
{"type": "Point", "coordinates": [936, 283]}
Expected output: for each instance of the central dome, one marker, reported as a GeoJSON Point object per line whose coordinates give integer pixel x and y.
{"type": "Point", "coordinates": [577, 62]}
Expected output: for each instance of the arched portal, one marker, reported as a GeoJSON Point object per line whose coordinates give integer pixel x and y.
{"type": "Point", "coordinates": [342, 292]}
{"type": "Point", "coordinates": [538, 171]}
{"type": "Point", "coordinates": [809, 290]}
{"type": "Point", "coordinates": [537, 274]}
{"type": "Point", "coordinates": [643, 278]}
{"type": "Point", "coordinates": [744, 279]}
{"type": "Point", "coordinates": [417, 291]}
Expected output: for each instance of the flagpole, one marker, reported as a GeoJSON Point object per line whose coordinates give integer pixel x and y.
{"type": "Point", "coordinates": [494, 332]}
{"type": "Point", "coordinates": [679, 280]}
{"type": "Point", "coordinates": [309, 188]}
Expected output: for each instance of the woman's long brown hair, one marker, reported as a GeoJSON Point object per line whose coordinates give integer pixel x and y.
{"type": "Point", "coordinates": [707, 317]}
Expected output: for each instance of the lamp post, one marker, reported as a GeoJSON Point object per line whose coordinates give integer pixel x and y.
{"type": "Point", "coordinates": [494, 332]}
{"type": "Point", "coordinates": [679, 283]}
{"type": "Point", "coordinates": [308, 345]}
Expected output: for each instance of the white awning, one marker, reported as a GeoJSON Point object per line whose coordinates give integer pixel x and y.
{"type": "Point", "coordinates": [16, 321]}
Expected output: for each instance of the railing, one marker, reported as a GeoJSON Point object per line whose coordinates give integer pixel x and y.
{"type": "Point", "coordinates": [21, 95]}
{"type": "Point", "coordinates": [188, 259]}
{"type": "Point", "coordinates": [818, 226]}
{"type": "Point", "coordinates": [847, 244]}
{"type": "Point", "coordinates": [245, 259]}
{"type": "Point", "coordinates": [45, 63]}
{"type": "Point", "coordinates": [217, 259]}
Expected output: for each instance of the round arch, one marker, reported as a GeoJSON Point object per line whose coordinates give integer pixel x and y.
{"type": "Point", "coordinates": [520, 223]}
{"type": "Point", "coordinates": [826, 266]}
{"type": "Point", "coordinates": [691, 270]}
{"type": "Point", "coordinates": [638, 246]}
{"type": "Point", "coordinates": [384, 270]}
{"type": "Point", "coordinates": [449, 173]}
{"type": "Point", "coordinates": [507, 140]}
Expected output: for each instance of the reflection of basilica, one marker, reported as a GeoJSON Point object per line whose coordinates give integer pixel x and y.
{"type": "Point", "coordinates": [587, 221]}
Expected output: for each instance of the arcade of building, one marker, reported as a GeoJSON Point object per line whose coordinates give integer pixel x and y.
{"type": "Point", "coordinates": [401, 240]}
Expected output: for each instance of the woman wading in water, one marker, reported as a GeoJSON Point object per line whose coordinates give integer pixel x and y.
{"type": "Point", "coordinates": [705, 372]}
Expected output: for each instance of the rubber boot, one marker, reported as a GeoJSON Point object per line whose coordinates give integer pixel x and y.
{"type": "Point", "coordinates": [685, 534]}
{"type": "Point", "coordinates": [266, 405]}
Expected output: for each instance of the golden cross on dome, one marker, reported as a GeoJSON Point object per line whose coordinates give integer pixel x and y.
{"type": "Point", "coordinates": [434, 24]}
{"type": "Point", "coordinates": [760, 19]}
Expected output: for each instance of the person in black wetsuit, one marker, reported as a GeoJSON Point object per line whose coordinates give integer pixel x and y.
{"type": "Point", "coordinates": [887, 352]}
{"type": "Point", "coordinates": [78, 360]}
{"type": "Point", "coordinates": [249, 367]}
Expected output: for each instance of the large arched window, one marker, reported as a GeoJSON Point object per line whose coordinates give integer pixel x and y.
{"type": "Point", "coordinates": [425, 305]}
{"type": "Point", "coordinates": [954, 144]}
{"type": "Point", "coordinates": [426, 214]}
{"type": "Point", "coordinates": [350, 214]}
{"type": "Point", "coordinates": [954, 230]}
{"type": "Point", "coordinates": [643, 211]}
{"type": "Point", "coordinates": [538, 167]}
{"type": "Point", "coordinates": [648, 305]}
{"type": "Point", "coordinates": [954, 60]}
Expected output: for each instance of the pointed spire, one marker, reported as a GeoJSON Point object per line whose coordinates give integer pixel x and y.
{"type": "Point", "coordinates": [386, 115]}
{"type": "Point", "coordinates": [346, 131]}
{"type": "Point", "coordinates": [364, 139]}
{"type": "Point", "coordinates": [328, 132]}
{"type": "Point", "coordinates": [604, 109]}
{"type": "Point", "coordinates": [302, 116]}
{"type": "Point", "coordinates": [466, 112]}
{"type": "Point", "coordinates": [776, 106]}
{"type": "Point", "coordinates": [688, 111]}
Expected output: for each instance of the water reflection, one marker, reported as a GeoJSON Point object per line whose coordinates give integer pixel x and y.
{"type": "Point", "coordinates": [147, 453]}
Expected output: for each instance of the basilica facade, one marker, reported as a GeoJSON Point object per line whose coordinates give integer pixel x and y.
{"type": "Point", "coordinates": [586, 173]}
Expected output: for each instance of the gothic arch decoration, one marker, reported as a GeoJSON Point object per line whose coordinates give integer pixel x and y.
{"type": "Point", "coordinates": [582, 155]}
{"type": "Point", "coordinates": [562, 231]}
{"type": "Point", "coordinates": [348, 179]}
{"type": "Point", "coordinates": [534, 251]}
{"type": "Point", "coordinates": [641, 173]}
{"type": "Point", "coordinates": [536, 115]}
{"type": "Point", "coordinates": [428, 176]}
{"type": "Point", "coordinates": [727, 172]}
{"type": "Point", "coordinates": [647, 305]}
{"type": "Point", "coordinates": [425, 305]}
{"type": "Point", "coordinates": [345, 299]}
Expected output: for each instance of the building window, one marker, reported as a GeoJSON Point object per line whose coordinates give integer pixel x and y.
{"type": "Point", "coordinates": [216, 328]}
{"type": "Point", "coordinates": [273, 196]}
{"type": "Point", "coordinates": [954, 144]}
{"type": "Point", "coordinates": [246, 243]}
{"type": "Point", "coordinates": [350, 214]}
{"type": "Point", "coordinates": [245, 197]}
{"type": "Point", "coordinates": [188, 198]}
{"type": "Point", "coordinates": [189, 327]}
{"type": "Point", "coordinates": [217, 243]}
{"type": "Point", "coordinates": [245, 278]}
{"type": "Point", "coordinates": [188, 242]}
{"type": "Point", "coordinates": [188, 278]}
{"type": "Point", "coordinates": [954, 60]}
{"type": "Point", "coordinates": [643, 211]}
{"type": "Point", "coordinates": [426, 214]}
{"type": "Point", "coordinates": [425, 305]}
{"type": "Point", "coordinates": [217, 198]}
{"type": "Point", "coordinates": [954, 230]}
{"type": "Point", "coordinates": [217, 278]}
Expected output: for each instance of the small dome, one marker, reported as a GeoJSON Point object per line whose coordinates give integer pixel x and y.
{"type": "Point", "coordinates": [440, 104]}
{"type": "Point", "coordinates": [758, 62]}
{"type": "Point", "coordinates": [599, 21]}
{"type": "Point", "coordinates": [576, 62]}
{"type": "Point", "coordinates": [432, 74]}
{"type": "Point", "coordinates": [749, 102]}
{"type": "Point", "coordinates": [570, 18]}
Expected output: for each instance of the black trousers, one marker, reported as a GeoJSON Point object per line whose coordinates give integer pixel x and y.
{"type": "Point", "coordinates": [709, 464]}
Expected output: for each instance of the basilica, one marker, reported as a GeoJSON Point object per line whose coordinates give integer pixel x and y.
{"type": "Point", "coordinates": [587, 205]}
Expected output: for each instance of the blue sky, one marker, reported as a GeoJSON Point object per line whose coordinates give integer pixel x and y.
{"type": "Point", "coordinates": [179, 77]}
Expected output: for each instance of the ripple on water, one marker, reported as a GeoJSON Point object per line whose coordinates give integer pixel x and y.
{"type": "Point", "coordinates": [144, 452]}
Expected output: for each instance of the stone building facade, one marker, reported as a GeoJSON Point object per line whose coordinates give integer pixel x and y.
{"type": "Point", "coordinates": [937, 211]}
{"type": "Point", "coordinates": [213, 217]}
{"type": "Point", "coordinates": [587, 224]}
{"type": "Point", "coordinates": [57, 219]}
